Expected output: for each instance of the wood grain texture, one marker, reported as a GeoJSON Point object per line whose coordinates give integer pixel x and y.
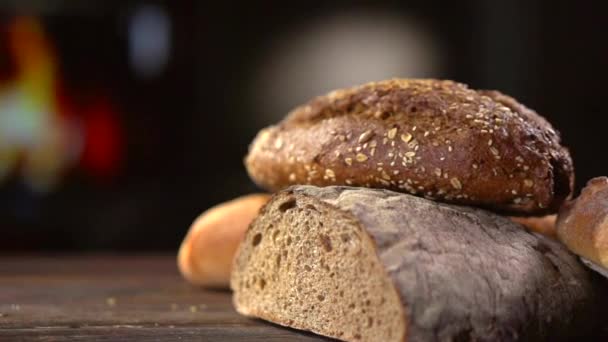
{"type": "Point", "coordinates": [110, 298]}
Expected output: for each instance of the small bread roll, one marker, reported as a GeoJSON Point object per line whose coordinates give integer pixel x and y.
{"type": "Point", "coordinates": [544, 225]}
{"type": "Point", "coordinates": [205, 256]}
{"type": "Point", "coordinates": [582, 224]}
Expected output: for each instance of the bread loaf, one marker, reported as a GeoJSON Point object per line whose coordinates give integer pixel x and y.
{"type": "Point", "coordinates": [205, 256]}
{"type": "Point", "coordinates": [373, 265]}
{"type": "Point", "coordinates": [582, 224]}
{"type": "Point", "coordinates": [206, 253]}
{"type": "Point", "coordinates": [432, 138]}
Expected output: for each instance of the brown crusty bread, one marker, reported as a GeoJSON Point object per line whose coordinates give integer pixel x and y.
{"type": "Point", "coordinates": [432, 138]}
{"type": "Point", "coordinates": [582, 224]}
{"type": "Point", "coordinates": [373, 265]}
{"type": "Point", "coordinates": [205, 256]}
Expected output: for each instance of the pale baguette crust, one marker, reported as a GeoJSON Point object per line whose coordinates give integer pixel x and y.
{"type": "Point", "coordinates": [205, 255]}
{"type": "Point", "coordinates": [582, 224]}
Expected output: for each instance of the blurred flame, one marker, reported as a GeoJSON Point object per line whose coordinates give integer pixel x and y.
{"type": "Point", "coordinates": [102, 146]}
{"type": "Point", "coordinates": [42, 134]}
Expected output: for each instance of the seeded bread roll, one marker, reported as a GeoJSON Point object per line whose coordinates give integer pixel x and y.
{"type": "Point", "coordinates": [582, 224]}
{"type": "Point", "coordinates": [373, 265]}
{"type": "Point", "coordinates": [432, 138]}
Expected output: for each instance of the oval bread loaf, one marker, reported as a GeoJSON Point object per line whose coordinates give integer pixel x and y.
{"type": "Point", "coordinates": [205, 256]}
{"type": "Point", "coordinates": [432, 138]}
{"type": "Point", "coordinates": [363, 264]}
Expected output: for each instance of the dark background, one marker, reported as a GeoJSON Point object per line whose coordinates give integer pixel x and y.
{"type": "Point", "coordinates": [165, 123]}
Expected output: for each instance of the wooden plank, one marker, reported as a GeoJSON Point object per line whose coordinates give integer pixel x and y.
{"type": "Point", "coordinates": [255, 334]}
{"type": "Point", "coordinates": [119, 299]}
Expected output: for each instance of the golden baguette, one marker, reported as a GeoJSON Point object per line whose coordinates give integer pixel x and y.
{"type": "Point", "coordinates": [205, 256]}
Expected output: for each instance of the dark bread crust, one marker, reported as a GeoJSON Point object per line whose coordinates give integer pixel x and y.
{"type": "Point", "coordinates": [437, 139]}
{"type": "Point", "coordinates": [465, 274]}
{"type": "Point", "coordinates": [462, 274]}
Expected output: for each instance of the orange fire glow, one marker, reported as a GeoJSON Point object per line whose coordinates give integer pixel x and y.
{"type": "Point", "coordinates": [42, 133]}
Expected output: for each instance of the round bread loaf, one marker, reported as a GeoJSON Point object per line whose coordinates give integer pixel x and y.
{"type": "Point", "coordinates": [432, 138]}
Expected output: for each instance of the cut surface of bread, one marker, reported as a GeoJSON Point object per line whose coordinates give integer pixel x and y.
{"type": "Point", "coordinates": [318, 271]}
{"type": "Point", "coordinates": [373, 265]}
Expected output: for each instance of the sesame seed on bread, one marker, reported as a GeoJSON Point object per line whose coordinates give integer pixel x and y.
{"type": "Point", "coordinates": [431, 138]}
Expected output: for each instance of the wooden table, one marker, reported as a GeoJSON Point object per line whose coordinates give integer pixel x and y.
{"type": "Point", "coordinates": [118, 298]}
